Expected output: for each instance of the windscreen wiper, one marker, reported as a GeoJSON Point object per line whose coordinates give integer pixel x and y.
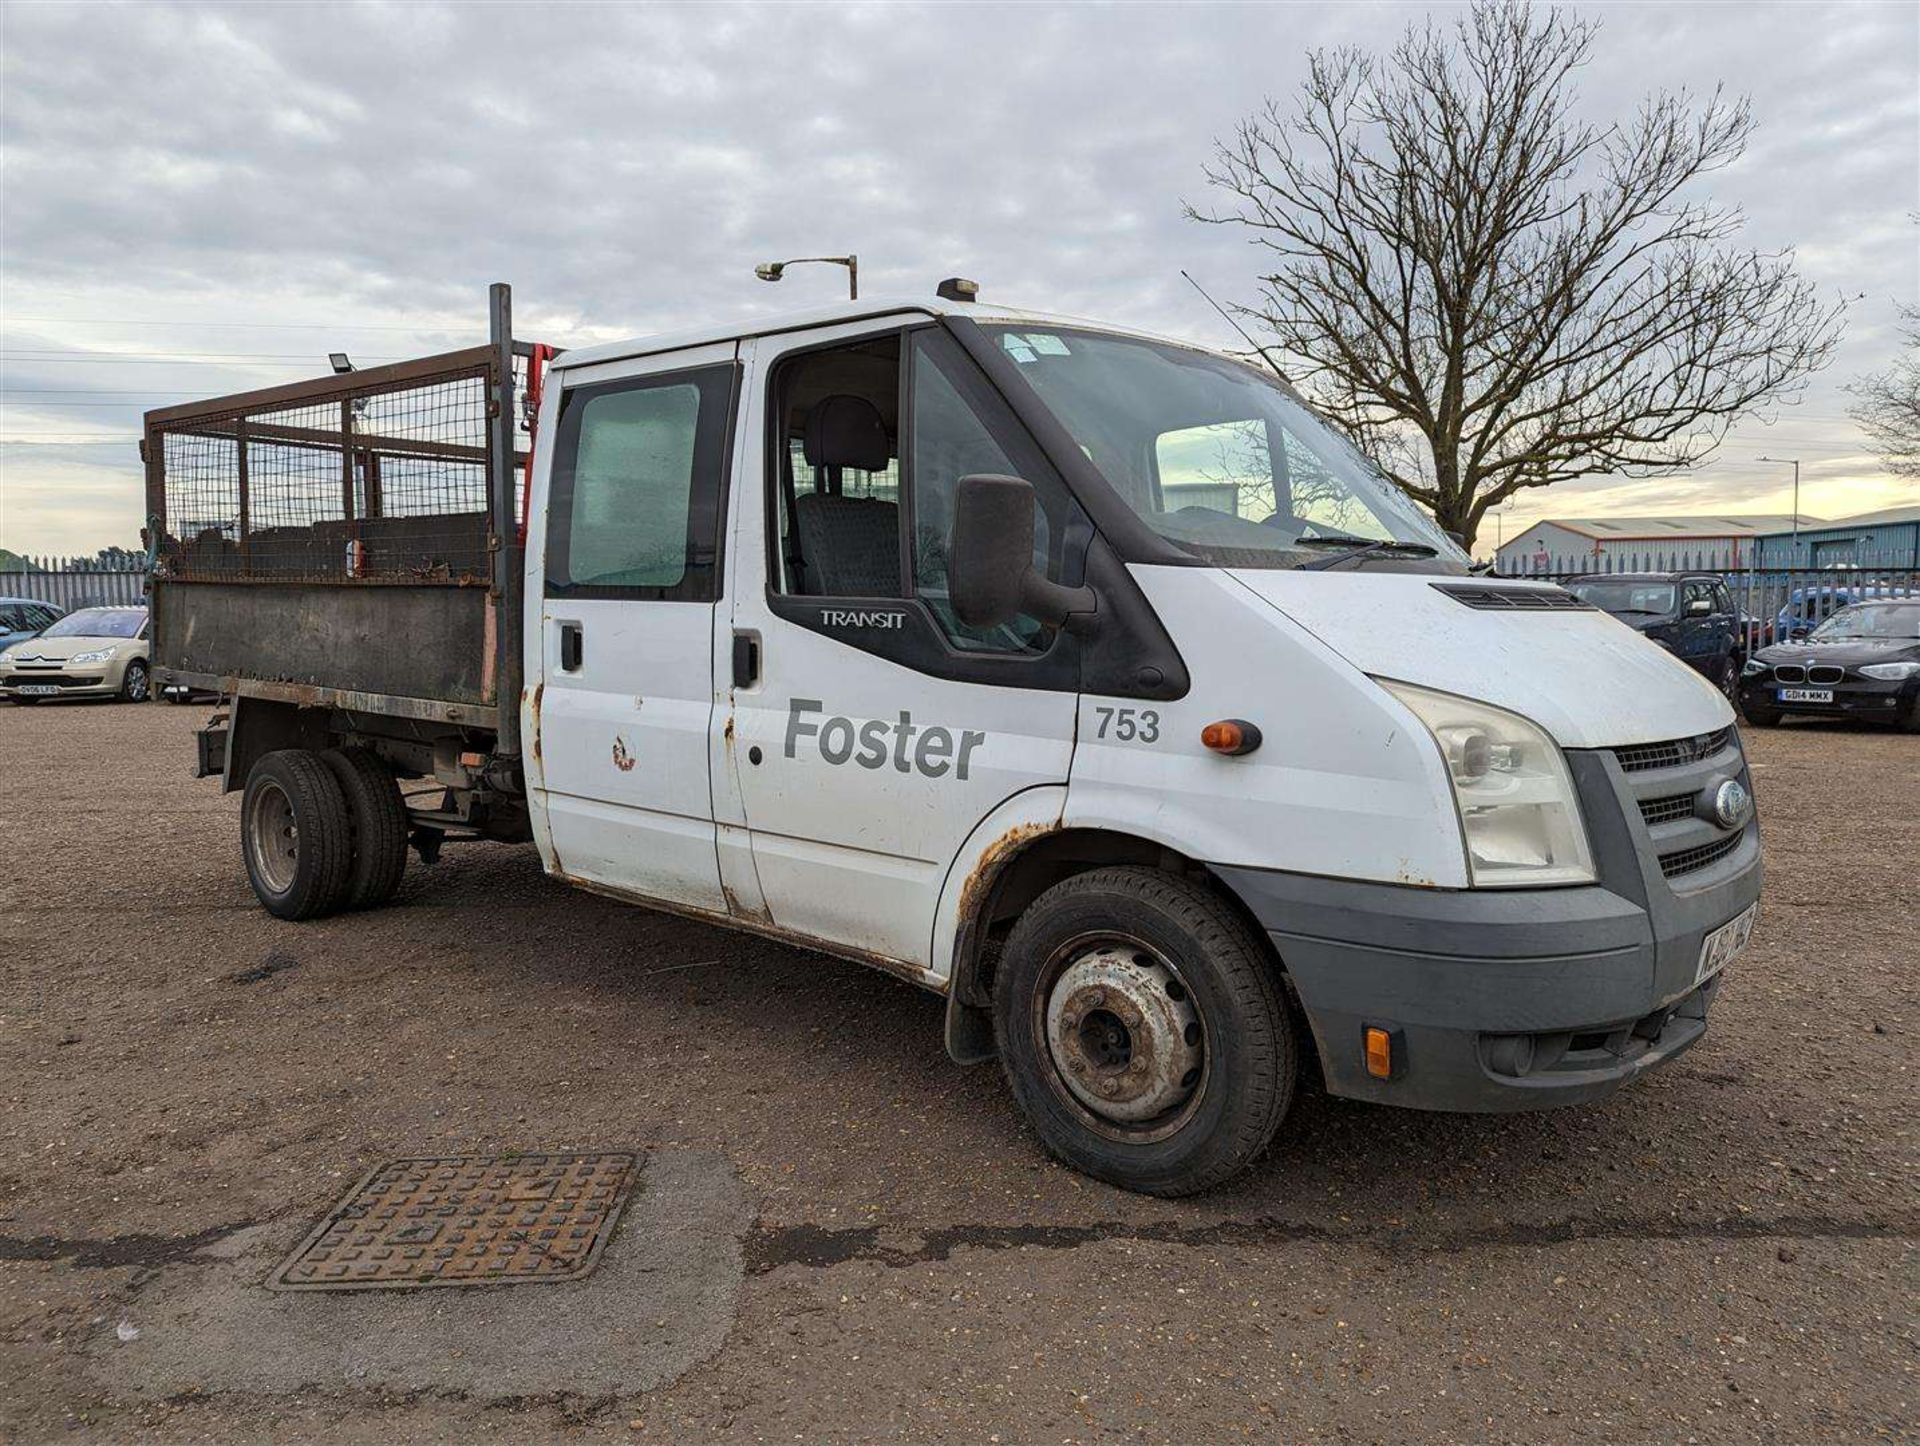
{"type": "Point", "coordinates": [1399, 549]}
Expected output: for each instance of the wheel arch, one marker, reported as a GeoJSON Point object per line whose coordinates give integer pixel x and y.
{"type": "Point", "coordinates": [1013, 871]}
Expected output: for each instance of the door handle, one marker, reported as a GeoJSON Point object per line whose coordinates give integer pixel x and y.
{"type": "Point", "coordinates": [572, 647]}
{"type": "Point", "coordinates": [746, 659]}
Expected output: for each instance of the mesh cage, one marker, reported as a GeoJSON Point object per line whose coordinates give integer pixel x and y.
{"type": "Point", "coordinates": [372, 477]}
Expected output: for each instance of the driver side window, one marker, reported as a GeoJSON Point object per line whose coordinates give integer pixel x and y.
{"type": "Point", "coordinates": [958, 430]}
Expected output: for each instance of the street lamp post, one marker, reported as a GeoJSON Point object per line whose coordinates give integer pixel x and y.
{"type": "Point", "coordinates": [773, 270]}
{"type": "Point", "coordinates": [1795, 463]}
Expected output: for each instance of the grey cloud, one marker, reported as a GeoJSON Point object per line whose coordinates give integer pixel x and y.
{"type": "Point", "coordinates": [626, 165]}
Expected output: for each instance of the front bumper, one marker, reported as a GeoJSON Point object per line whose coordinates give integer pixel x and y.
{"type": "Point", "coordinates": [89, 681]}
{"type": "Point", "coordinates": [1523, 999]}
{"type": "Point", "coordinates": [1868, 698]}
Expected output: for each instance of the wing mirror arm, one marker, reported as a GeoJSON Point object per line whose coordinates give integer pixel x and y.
{"type": "Point", "coordinates": [991, 578]}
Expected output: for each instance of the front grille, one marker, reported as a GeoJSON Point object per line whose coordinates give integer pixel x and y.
{"type": "Point", "coordinates": [1489, 598]}
{"type": "Point", "coordinates": [1641, 756]}
{"type": "Point", "coordinates": [1687, 861]}
{"type": "Point", "coordinates": [1826, 674]}
{"type": "Point", "coordinates": [1666, 810]}
{"type": "Point", "coordinates": [1789, 673]}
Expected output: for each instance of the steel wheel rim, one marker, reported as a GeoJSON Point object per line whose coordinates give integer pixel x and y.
{"type": "Point", "coordinates": [273, 838]}
{"type": "Point", "coordinates": [1111, 1009]}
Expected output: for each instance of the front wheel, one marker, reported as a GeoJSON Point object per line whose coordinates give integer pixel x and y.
{"type": "Point", "coordinates": [1143, 1031]}
{"type": "Point", "coordinates": [133, 683]}
{"type": "Point", "coordinates": [1760, 715]}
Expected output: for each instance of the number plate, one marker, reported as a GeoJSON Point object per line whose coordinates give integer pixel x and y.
{"type": "Point", "coordinates": [1719, 947]}
{"type": "Point", "coordinates": [38, 690]}
{"type": "Point", "coordinates": [1806, 695]}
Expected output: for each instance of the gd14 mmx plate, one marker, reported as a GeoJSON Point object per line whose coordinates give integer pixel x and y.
{"type": "Point", "coordinates": [486, 1220]}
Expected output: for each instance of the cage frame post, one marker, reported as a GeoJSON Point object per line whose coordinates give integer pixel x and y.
{"type": "Point", "coordinates": [508, 552]}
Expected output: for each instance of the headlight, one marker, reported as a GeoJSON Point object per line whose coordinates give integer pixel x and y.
{"type": "Point", "coordinates": [1518, 812]}
{"type": "Point", "coordinates": [1753, 668]}
{"type": "Point", "coordinates": [98, 655]}
{"type": "Point", "coordinates": [1889, 672]}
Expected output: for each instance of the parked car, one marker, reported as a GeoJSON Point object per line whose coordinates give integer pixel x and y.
{"type": "Point", "coordinates": [1863, 662]}
{"type": "Point", "coordinates": [23, 617]}
{"type": "Point", "coordinates": [92, 653]}
{"type": "Point", "coordinates": [1690, 614]}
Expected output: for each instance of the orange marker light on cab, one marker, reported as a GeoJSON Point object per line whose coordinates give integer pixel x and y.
{"type": "Point", "coordinates": [1231, 736]}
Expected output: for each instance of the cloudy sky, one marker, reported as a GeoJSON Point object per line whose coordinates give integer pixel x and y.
{"type": "Point", "coordinates": [199, 199]}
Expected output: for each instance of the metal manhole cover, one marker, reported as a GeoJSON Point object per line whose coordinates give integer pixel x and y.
{"type": "Point", "coordinates": [482, 1220]}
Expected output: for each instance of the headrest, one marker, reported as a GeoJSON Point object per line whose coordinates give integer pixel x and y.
{"type": "Point", "coordinates": [846, 431]}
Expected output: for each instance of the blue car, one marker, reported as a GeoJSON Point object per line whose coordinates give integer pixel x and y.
{"type": "Point", "coordinates": [1807, 607]}
{"type": "Point", "coordinates": [23, 617]}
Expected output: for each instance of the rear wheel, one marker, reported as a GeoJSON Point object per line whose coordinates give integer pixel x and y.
{"type": "Point", "coordinates": [1143, 1031]}
{"type": "Point", "coordinates": [378, 819]}
{"type": "Point", "coordinates": [295, 834]}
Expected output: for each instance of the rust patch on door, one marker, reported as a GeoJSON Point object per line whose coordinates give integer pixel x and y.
{"type": "Point", "coordinates": [622, 759]}
{"type": "Point", "coordinates": [539, 692]}
{"type": "Point", "coordinates": [486, 1220]}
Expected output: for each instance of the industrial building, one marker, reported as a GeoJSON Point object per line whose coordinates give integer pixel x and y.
{"type": "Point", "coordinates": [1889, 538]}
{"type": "Point", "coordinates": [1643, 544]}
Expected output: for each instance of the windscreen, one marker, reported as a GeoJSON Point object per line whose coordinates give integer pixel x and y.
{"type": "Point", "coordinates": [1652, 599]}
{"type": "Point", "coordinates": [98, 623]}
{"type": "Point", "coordinates": [1899, 621]}
{"type": "Point", "coordinates": [1215, 456]}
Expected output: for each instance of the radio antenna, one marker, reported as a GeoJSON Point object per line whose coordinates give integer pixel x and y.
{"type": "Point", "coordinates": [1265, 355]}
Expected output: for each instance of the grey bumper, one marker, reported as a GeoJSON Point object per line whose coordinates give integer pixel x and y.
{"type": "Point", "coordinates": [1523, 999]}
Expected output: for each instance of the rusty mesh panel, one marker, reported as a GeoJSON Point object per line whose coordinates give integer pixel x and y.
{"type": "Point", "coordinates": [384, 481]}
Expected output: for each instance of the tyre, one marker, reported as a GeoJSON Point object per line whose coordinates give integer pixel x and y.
{"type": "Point", "coordinates": [1911, 723]}
{"type": "Point", "coordinates": [295, 834]}
{"type": "Point", "coordinates": [1761, 715]}
{"type": "Point", "coordinates": [377, 819]}
{"type": "Point", "coordinates": [1727, 680]}
{"type": "Point", "coordinates": [134, 683]}
{"type": "Point", "coordinates": [1143, 1031]}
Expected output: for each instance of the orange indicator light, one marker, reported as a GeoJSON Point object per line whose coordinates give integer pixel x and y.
{"type": "Point", "coordinates": [1379, 1053]}
{"type": "Point", "coordinates": [1231, 736]}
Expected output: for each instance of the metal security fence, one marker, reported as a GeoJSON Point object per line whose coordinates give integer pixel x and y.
{"type": "Point", "coordinates": [70, 583]}
{"type": "Point", "coordinates": [1774, 604]}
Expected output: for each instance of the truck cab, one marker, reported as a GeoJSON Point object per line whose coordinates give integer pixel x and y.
{"type": "Point", "coordinates": [1088, 679]}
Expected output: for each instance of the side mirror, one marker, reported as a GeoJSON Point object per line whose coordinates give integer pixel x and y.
{"type": "Point", "coordinates": [1699, 608]}
{"type": "Point", "coordinates": [991, 578]}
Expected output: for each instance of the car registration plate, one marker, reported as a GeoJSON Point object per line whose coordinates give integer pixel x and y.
{"type": "Point", "coordinates": [1806, 695]}
{"type": "Point", "coordinates": [38, 690]}
{"type": "Point", "coordinates": [1719, 947]}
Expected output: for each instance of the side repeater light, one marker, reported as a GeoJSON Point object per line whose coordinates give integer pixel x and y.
{"type": "Point", "coordinates": [1231, 736]}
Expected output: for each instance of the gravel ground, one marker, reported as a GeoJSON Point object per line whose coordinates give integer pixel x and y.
{"type": "Point", "coordinates": [839, 1235]}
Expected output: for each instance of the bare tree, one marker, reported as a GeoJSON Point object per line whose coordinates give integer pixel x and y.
{"type": "Point", "coordinates": [1887, 404]}
{"type": "Point", "coordinates": [1490, 293]}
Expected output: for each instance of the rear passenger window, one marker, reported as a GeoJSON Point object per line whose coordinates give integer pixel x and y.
{"type": "Point", "coordinates": [638, 476]}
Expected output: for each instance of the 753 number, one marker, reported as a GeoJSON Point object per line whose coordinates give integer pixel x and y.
{"type": "Point", "coordinates": [1128, 724]}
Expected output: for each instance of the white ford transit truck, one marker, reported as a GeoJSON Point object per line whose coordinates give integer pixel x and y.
{"type": "Point", "coordinates": [1083, 677]}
